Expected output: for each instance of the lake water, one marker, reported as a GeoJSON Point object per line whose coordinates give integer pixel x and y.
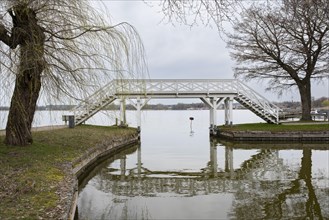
{"type": "Point", "coordinates": [179, 172]}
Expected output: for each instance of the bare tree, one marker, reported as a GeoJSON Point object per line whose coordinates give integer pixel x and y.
{"type": "Point", "coordinates": [61, 47]}
{"type": "Point", "coordinates": [287, 43]}
{"type": "Point", "coordinates": [207, 12]}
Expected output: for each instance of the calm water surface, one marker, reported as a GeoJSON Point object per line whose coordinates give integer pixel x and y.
{"type": "Point", "coordinates": [178, 172]}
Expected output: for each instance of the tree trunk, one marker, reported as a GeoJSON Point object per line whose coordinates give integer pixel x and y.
{"type": "Point", "coordinates": [24, 99]}
{"type": "Point", "coordinates": [30, 37]}
{"type": "Point", "coordinates": [305, 95]}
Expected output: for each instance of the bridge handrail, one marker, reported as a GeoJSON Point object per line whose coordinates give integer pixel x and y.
{"type": "Point", "coordinates": [258, 99]}
{"type": "Point", "coordinates": [174, 85]}
{"type": "Point", "coordinates": [194, 85]}
{"type": "Point", "coordinates": [95, 98]}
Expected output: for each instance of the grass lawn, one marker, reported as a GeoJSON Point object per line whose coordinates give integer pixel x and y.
{"type": "Point", "coordinates": [277, 128]}
{"type": "Point", "coordinates": [31, 177]}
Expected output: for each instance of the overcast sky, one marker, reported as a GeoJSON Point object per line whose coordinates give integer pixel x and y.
{"type": "Point", "coordinates": [180, 52]}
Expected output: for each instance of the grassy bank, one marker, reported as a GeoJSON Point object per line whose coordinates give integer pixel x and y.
{"type": "Point", "coordinates": [33, 178]}
{"type": "Point", "coordinates": [277, 128]}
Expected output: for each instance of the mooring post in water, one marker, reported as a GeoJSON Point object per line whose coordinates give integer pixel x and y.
{"type": "Point", "coordinates": [191, 131]}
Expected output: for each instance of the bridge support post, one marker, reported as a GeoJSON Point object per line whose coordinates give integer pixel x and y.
{"type": "Point", "coordinates": [212, 104]}
{"type": "Point", "coordinates": [226, 111]}
{"type": "Point", "coordinates": [122, 112]}
{"type": "Point", "coordinates": [228, 107]}
{"type": "Point", "coordinates": [138, 106]}
{"type": "Point", "coordinates": [231, 111]}
{"type": "Point", "coordinates": [139, 114]}
{"type": "Point", "coordinates": [213, 115]}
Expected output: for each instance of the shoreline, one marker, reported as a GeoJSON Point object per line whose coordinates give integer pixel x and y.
{"type": "Point", "coordinates": [268, 136]}
{"type": "Point", "coordinates": [41, 128]}
{"type": "Point", "coordinates": [286, 132]}
{"type": "Point", "coordinates": [40, 181]}
{"type": "Point", "coordinates": [90, 159]}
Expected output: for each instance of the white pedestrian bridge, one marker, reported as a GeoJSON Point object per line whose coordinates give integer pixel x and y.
{"type": "Point", "coordinates": [211, 91]}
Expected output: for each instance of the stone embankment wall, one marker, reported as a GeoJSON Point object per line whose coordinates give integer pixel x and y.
{"type": "Point", "coordinates": [92, 156]}
{"type": "Point", "coordinates": [322, 136]}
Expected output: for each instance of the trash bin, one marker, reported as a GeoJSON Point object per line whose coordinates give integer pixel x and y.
{"type": "Point", "coordinates": [71, 121]}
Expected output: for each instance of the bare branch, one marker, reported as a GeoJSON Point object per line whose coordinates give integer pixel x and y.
{"type": "Point", "coordinates": [4, 37]}
{"type": "Point", "coordinates": [288, 44]}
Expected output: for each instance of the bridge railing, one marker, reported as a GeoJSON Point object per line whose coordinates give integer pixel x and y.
{"type": "Point", "coordinates": [174, 86]}
{"type": "Point", "coordinates": [267, 106]}
{"type": "Point", "coordinates": [87, 104]}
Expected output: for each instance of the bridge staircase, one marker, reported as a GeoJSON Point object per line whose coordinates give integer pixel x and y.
{"type": "Point", "coordinates": [94, 103]}
{"type": "Point", "coordinates": [256, 103]}
{"type": "Point", "coordinates": [255, 108]}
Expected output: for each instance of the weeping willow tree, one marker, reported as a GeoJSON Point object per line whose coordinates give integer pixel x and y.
{"type": "Point", "coordinates": [58, 47]}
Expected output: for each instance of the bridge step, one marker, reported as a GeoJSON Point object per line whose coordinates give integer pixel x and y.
{"type": "Point", "coordinates": [257, 109]}
{"type": "Point", "coordinates": [91, 109]}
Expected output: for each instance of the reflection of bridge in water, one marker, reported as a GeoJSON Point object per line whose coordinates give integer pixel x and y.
{"type": "Point", "coordinates": [262, 184]}
{"type": "Point", "coordinates": [142, 181]}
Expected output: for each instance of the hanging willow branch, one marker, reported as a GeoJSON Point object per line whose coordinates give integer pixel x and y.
{"type": "Point", "coordinates": [79, 43]}
{"type": "Point", "coordinates": [63, 48]}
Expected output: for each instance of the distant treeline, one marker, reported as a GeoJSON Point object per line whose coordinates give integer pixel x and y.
{"type": "Point", "coordinates": [179, 106]}
{"type": "Point", "coordinates": [44, 108]}
{"type": "Point", "coordinates": [316, 103]}
{"type": "Point", "coordinates": [322, 102]}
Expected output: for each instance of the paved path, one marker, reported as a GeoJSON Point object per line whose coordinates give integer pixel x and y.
{"type": "Point", "coordinates": [43, 128]}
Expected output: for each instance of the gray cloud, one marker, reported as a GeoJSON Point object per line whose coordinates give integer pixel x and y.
{"type": "Point", "coordinates": [178, 51]}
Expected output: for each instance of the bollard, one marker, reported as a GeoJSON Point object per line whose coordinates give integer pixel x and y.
{"type": "Point", "coordinates": [71, 121]}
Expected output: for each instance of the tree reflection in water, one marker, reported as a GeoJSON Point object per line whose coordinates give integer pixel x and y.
{"type": "Point", "coordinates": [293, 199]}
{"type": "Point", "coordinates": [263, 187]}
